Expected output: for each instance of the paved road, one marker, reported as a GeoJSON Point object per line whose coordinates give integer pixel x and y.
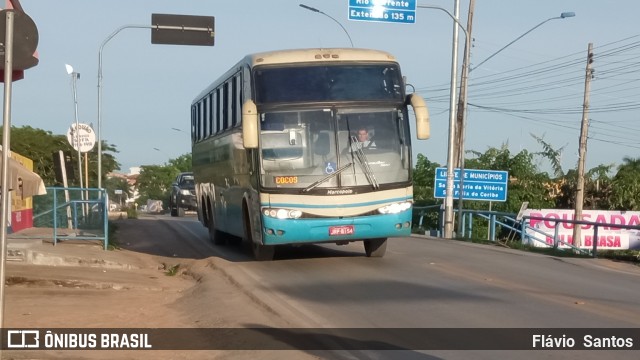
{"type": "Point", "coordinates": [420, 283]}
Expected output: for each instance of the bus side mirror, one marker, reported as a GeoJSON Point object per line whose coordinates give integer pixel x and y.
{"type": "Point", "coordinates": [249, 125]}
{"type": "Point", "coordinates": [423, 128]}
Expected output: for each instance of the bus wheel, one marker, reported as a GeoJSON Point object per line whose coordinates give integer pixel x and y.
{"type": "Point", "coordinates": [263, 252]}
{"type": "Point", "coordinates": [216, 237]}
{"type": "Point", "coordinates": [375, 247]}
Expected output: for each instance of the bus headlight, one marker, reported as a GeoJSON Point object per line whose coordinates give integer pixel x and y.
{"type": "Point", "coordinates": [282, 213]}
{"type": "Point", "coordinates": [395, 208]}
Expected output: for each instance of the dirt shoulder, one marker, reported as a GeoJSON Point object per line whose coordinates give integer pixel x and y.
{"type": "Point", "coordinates": [80, 285]}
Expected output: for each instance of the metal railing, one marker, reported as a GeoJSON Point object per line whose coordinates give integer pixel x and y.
{"type": "Point", "coordinates": [71, 214]}
{"type": "Point", "coordinates": [517, 227]}
{"type": "Point", "coordinates": [556, 238]}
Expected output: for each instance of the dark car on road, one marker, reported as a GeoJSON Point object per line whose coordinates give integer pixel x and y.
{"type": "Point", "coordinates": [183, 195]}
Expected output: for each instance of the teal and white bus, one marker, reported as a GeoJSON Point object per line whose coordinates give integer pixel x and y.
{"type": "Point", "coordinates": [277, 160]}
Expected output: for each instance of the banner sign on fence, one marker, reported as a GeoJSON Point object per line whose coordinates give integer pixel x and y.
{"type": "Point", "coordinates": [609, 237]}
{"type": "Point", "coordinates": [486, 185]}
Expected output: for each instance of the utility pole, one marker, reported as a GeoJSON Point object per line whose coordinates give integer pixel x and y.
{"type": "Point", "coordinates": [582, 150]}
{"type": "Point", "coordinates": [460, 120]}
{"type": "Point", "coordinates": [462, 112]}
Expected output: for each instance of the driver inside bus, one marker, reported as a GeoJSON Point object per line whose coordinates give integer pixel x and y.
{"type": "Point", "coordinates": [364, 140]}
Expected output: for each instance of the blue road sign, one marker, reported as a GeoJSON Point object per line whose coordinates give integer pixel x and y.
{"type": "Point", "coordinates": [394, 11]}
{"type": "Point", "coordinates": [485, 185]}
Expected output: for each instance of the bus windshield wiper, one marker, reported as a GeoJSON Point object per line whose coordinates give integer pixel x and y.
{"type": "Point", "coordinates": [364, 162]}
{"type": "Point", "coordinates": [317, 183]}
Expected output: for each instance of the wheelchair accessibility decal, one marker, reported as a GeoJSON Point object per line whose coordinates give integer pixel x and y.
{"type": "Point", "coordinates": [329, 168]}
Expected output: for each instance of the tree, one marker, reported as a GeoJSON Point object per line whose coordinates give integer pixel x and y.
{"type": "Point", "coordinates": [552, 155]}
{"type": "Point", "coordinates": [526, 182]}
{"type": "Point", "coordinates": [154, 182]}
{"type": "Point", "coordinates": [423, 180]}
{"type": "Point", "coordinates": [39, 146]}
{"type": "Point", "coordinates": [625, 192]}
{"type": "Point", "coordinates": [182, 163]}
{"type": "Point", "coordinates": [112, 184]}
{"type": "Point", "coordinates": [598, 186]}
{"type": "Point", "coordinates": [597, 181]}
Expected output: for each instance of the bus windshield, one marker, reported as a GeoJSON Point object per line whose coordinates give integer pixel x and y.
{"type": "Point", "coordinates": [328, 83]}
{"type": "Point", "coordinates": [325, 149]}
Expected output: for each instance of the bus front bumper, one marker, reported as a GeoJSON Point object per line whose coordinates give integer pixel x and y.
{"type": "Point", "coordinates": [301, 231]}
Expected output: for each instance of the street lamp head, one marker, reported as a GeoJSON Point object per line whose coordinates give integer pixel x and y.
{"type": "Point", "coordinates": [330, 17]}
{"type": "Point", "coordinates": [69, 69]}
{"type": "Point", "coordinates": [309, 8]}
{"type": "Point", "coordinates": [567, 14]}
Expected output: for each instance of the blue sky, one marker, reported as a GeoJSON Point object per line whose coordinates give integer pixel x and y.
{"type": "Point", "coordinates": [535, 86]}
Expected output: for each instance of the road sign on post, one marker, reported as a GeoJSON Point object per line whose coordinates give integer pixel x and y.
{"type": "Point", "coordinates": [383, 11]}
{"type": "Point", "coordinates": [82, 137]}
{"type": "Point", "coordinates": [25, 42]}
{"type": "Point", "coordinates": [173, 29]}
{"type": "Point", "coordinates": [486, 185]}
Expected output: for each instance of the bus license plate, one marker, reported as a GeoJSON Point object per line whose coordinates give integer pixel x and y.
{"type": "Point", "coordinates": [341, 230]}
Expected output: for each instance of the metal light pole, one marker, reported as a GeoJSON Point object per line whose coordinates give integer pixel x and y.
{"type": "Point", "coordinates": [448, 202]}
{"type": "Point", "coordinates": [330, 17]}
{"type": "Point", "coordinates": [74, 78]}
{"type": "Point", "coordinates": [448, 223]}
{"type": "Point", "coordinates": [563, 15]}
{"type": "Point", "coordinates": [463, 101]}
{"type": "Point", "coordinates": [99, 132]}
{"type": "Point", "coordinates": [190, 25]}
{"type": "Point", "coordinates": [448, 209]}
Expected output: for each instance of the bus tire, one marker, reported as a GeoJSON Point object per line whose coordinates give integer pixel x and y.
{"type": "Point", "coordinates": [216, 236]}
{"type": "Point", "coordinates": [263, 252]}
{"type": "Point", "coordinates": [375, 247]}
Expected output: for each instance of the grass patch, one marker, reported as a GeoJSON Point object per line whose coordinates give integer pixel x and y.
{"type": "Point", "coordinates": [132, 213]}
{"type": "Point", "coordinates": [171, 270]}
{"type": "Point", "coordinates": [631, 256]}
